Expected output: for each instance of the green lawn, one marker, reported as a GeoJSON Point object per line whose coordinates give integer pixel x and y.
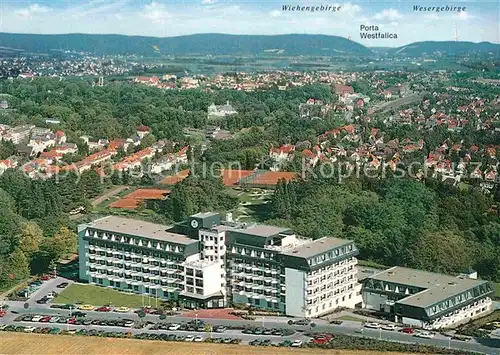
{"type": "Point", "coordinates": [98, 296]}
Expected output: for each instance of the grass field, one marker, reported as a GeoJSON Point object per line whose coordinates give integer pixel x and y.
{"type": "Point", "coordinates": [98, 296]}
{"type": "Point", "coordinates": [497, 290]}
{"type": "Point", "coordinates": [18, 343]}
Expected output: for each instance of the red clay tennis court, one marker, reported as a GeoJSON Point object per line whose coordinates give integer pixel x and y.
{"type": "Point", "coordinates": [270, 178]}
{"type": "Point", "coordinates": [175, 179]}
{"type": "Point", "coordinates": [137, 197]}
{"type": "Point", "coordinates": [232, 177]}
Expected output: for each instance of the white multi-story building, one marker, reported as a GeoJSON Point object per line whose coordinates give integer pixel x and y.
{"type": "Point", "coordinates": [427, 300]}
{"type": "Point", "coordinates": [207, 263]}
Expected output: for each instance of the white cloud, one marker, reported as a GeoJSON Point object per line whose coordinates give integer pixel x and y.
{"type": "Point", "coordinates": [207, 2]}
{"type": "Point", "coordinates": [275, 13]}
{"type": "Point", "coordinates": [464, 16]}
{"type": "Point", "coordinates": [156, 12]}
{"type": "Point", "coordinates": [32, 10]}
{"type": "Point", "coordinates": [349, 9]}
{"type": "Point", "coordinates": [432, 16]}
{"type": "Point", "coordinates": [388, 14]}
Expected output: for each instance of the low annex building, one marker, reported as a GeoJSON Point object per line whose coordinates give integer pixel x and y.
{"type": "Point", "coordinates": [425, 299]}
{"type": "Point", "coordinates": [208, 263]}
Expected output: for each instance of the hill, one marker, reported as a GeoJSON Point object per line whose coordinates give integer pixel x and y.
{"type": "Point", "coordinates": [199, 44]}
{"type": "Point", "coordinates": [448, 48]}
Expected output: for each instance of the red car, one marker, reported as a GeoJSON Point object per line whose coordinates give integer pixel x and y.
{"type": "Point", "coordinates": [321, 340]}
{"type": "Point", "coordinates": [45, 278]}
{"type": "Point", "coordinates": [103, 309]}
{"type": "Point", "coordinates": [2, 313]}
{"type": "Point", "coordinates": [71, 321]}
{"type": "Point", "coordinates": [408, 330]}
{"type": "Point", "coordinates": [45, 319]}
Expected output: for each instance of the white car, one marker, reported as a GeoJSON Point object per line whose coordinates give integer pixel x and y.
{"type": "Point", "coordinates": [189, 338]}
{"type": "Point", "coordinates": [36, 318]}
{"type": "Point", "coordinates": [54, 319]}
{"type": "Point", "coordinates": [372, 325]}
{"type": "Point", "coordinates": [198, 338]}
{"type": "Point", "coordinates": [427, 335]}
{"type": "Point", "coordinates": [297, 343]}
{"type": "Point", "coordinates": [3, 326]}
{"type": "Point", "coordinates": [388, 327]}
{"type": "Point", "coordinates": [29, 329]}
{"type": "Point", "coordinates": [174, 327]}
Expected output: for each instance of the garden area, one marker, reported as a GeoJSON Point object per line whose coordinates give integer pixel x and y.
{"type": "Point", "coordinates": [98, 296]}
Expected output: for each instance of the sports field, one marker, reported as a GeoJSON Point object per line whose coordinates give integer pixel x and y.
{"type": "Point", "coordinates": [41, 344]}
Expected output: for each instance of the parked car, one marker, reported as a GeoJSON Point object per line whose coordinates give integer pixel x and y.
{"type": "Point", "coordinates": [42, 300]}
{"type": "Point", "coordinates": [388, 327]}
{"type": "Point", "coordinates": [45, 319]}
{"type": "Point", "coordinates": [103, 309]}
{"type": "Point", "coordinates": [372, 325]}
{"type": "Point", "coordinates": [122, 309]}
{"type": "Point", "coordinates": [299, 322]}
{"type": "Point", "coordinates": [45, 278]}
{"type": "Point", "coordinates": [36, 318]}
{"type": "Point", "coordinates": [86, 307]}
{"type": "Point", "coordinates": [219, 329]}
{"type": "Point", "coordinates": [54, 319]}
{"type": "Point", "coordinates": [29, 329]}
{"type": "Point", "coordinates": [2, 313]}
{"type": "Point", "coordinates": [426, 335]}
{"type": "Point", "coordinates": [174, 327]}
{"type": "Point", "coordinates": [407, 330]}
{"type": "Point", "coordinates": [62, 285]}
{"type": "Point", "coordinates": [336, 322]}
{"type": "Point", "coordinates": [78, 314]}
{"type": "Point", "coordinates": [199, 338]}
{"type": "Point", "coordinates": [189, 338]}
{"type": "Point", "coordinates": [297, 343]}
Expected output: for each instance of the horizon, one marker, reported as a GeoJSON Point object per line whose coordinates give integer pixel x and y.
{"type": "Point", "coordinates": [249, 35]}
{"type": "Point", "coordinates": [474, 21]}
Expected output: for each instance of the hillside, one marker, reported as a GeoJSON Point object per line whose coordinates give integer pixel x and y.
{"type": "Point", "coordinates": [449, 48]}
{"type": "Point", "coordinates": [201, 44]}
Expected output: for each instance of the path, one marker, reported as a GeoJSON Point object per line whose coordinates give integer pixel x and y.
{"type": "Point", "coordinates": [108, 194]}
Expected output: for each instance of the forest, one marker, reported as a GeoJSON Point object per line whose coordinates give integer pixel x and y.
{"type": "Point", "coordinates": [394, 221]}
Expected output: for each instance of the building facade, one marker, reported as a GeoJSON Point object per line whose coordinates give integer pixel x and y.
{"type": "Point", "coordinates": [425, 299]}
{"type": "Point", "coordinates": [207, 263]}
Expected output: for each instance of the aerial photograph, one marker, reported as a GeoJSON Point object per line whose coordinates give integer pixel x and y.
{"type": "Point", "coordinates": [249, 177]}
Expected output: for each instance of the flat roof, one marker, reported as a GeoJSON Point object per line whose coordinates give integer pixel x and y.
{"type": "Point", "coordinates": [259, 230]}
{"type": "Point", "coordinates": [205, 214]}
{"type": "Point", "coordinates": [438, 287]}
{"type": "Point", "coordinates": [316, 247]}
{"type": "Point", "coordinates": [140, 228]}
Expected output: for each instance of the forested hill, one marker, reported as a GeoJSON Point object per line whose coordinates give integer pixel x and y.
{"type": "Point", "coordinates": [450, 47]}
{"type": "Point", "coordinates": [215, 44]}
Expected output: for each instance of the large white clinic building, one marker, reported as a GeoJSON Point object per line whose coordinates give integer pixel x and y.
{"type": "Point", "coordinates": [208, 263]}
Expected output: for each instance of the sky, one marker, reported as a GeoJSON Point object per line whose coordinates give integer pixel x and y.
{"type": "Point", "coordinates": [165, 18]}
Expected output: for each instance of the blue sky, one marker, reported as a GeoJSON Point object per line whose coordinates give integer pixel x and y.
{"type": "Point", "coordinates": [480, 21]}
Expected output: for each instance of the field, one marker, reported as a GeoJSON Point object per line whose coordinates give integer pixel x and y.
{"type": "Point", "coordinates": [18, 343]}
{"type": "Point", "coordinates": [98, 296]}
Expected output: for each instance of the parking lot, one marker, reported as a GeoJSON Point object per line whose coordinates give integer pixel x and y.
{"type": "Point", "coordinates": [102, 320]}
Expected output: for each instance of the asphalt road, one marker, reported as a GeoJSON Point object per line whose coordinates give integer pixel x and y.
{"type": "Point", "coordinates": [347, 327]}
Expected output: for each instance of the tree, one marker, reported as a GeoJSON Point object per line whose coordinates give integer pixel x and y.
{"type": "Point", "coordinates": [30, 238]}
{"type": "Point", "coordinates": [61, 244]}
{"type": "Point", "coordinates": [444, 251]}
{"type": "Point", "coordinates": [14, 268]}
